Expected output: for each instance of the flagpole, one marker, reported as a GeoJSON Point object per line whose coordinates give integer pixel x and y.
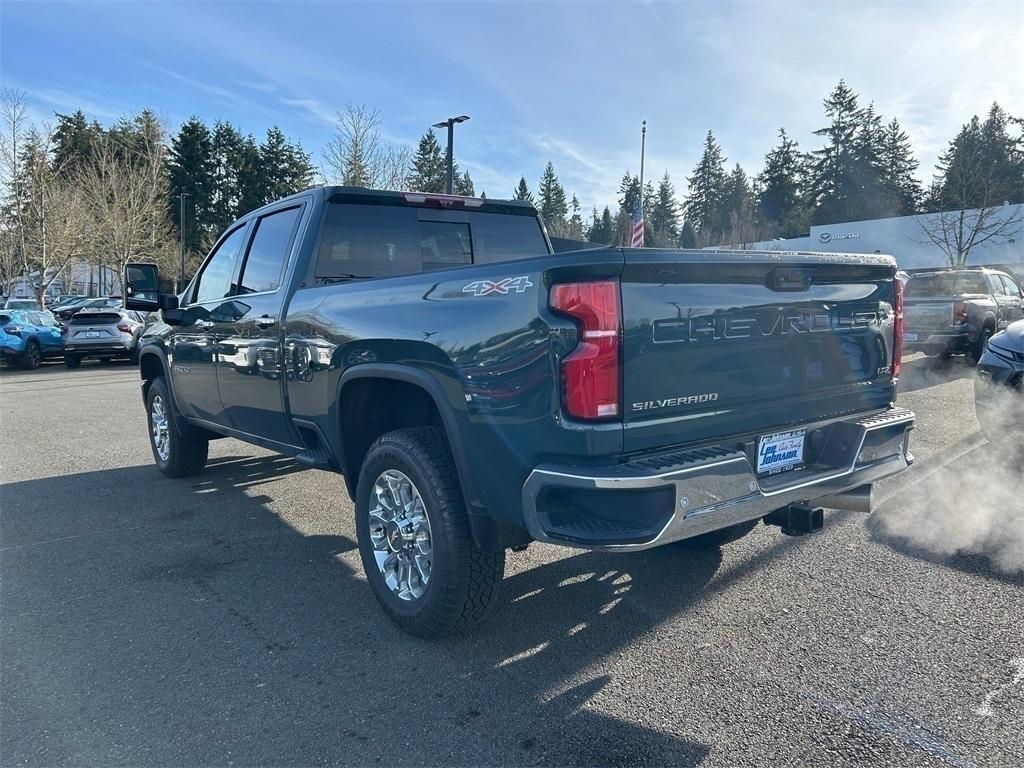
{"type": "Point", "coordinates": [643, 146]}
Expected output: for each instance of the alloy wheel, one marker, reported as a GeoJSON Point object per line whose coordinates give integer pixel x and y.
{"type": "Point", "coordinates": [400, 535]}
{"type": "Point", "coordinates": [160, 428]}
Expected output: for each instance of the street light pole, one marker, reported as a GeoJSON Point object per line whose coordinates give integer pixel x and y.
{"type": "Point", "coordinates": [450, 125]}
{"type": "Point", "coordinates": [181, 231]}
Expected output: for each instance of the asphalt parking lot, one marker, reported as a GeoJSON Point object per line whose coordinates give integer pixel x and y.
{"type": "Point", "coordinates": [224, 619]}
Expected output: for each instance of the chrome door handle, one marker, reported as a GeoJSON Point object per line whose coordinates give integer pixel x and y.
{"type": "Point", "coordinates": [203, 324]}
{"type": "Point", "coordinates": [265, 321]}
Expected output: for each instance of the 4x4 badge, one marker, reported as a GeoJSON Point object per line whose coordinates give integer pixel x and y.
{"type": "Point", "coordinates": [501, 287]}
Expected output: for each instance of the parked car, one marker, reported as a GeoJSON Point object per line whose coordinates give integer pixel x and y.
{"type": "Point", "coordinates": [21, 304]}
{"type": "Point", "coordinates": [479, 392]}
{"type": "Point", "coordinates": [28, 337]}
{"type": "Point", "coordinates": [106, 334]}
{"type": "Point", "coordinates": [999, 388]}
{"type": "Point", "coordinates": [958, 310]}
{"type": "Point", "coordinates": [104, 302]}
{"type": "Point", "coordinates": [67, 301]}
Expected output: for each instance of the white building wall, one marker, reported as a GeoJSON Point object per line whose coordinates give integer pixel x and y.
{"type": "Point", "coordinates": [904, 239]}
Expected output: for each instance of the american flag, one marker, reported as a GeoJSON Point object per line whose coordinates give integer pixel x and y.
{"type": "Point", "coordinates": [637, 238]}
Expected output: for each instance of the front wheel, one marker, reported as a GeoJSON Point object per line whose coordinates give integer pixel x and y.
{"type": "Point", "coordinates": [414, 537]}
{"type": "Point", "coordinates": [177, 453]}
{"type": "Point", "coordinates": [32, 356]}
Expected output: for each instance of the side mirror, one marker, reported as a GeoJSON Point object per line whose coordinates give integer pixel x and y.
{"type": "Point", "coordinates": [142, 289]}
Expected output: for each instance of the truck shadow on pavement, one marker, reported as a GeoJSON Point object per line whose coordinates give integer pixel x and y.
{"type": "Point", "coordinates": [155, 621]}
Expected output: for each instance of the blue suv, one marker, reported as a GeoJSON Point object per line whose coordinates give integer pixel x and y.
{"type": "Point", "coordinates": [27, 337]}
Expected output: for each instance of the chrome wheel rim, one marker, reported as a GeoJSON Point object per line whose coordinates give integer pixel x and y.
{"type": "Point", "coordinates": [400, 535]}
{"type": "Point", "coordinates": [159, 428]}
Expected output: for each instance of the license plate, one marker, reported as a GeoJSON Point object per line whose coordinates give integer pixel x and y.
{"type": "Point", "coordinates": [780, 452]}
{"type": "Point", "coordinates": [92, 334]}
{"type": "Point", "coordinates": [910, 337]}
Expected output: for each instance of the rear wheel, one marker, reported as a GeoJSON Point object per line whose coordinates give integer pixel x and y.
{"type": "Point", "coordinates": [978, 348]}
{"type": "Point", "coordinates": [72, 361]}
{"type": "Point", "coordinates": [722, 535]}
{"type": "Point", "coordinates": [32, 355]}
{"type": "Point", "coordinates": [414, 537]}
{"type": "Point", "coordinates": [177, 453]}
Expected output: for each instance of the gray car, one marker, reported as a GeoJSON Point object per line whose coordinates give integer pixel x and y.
{"type": "Point", "coordinates": [106, 334]}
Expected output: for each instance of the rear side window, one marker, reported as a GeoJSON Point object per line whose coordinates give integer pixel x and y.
{"type": "Point", "coordinates": [215, 280]}
{"type": "Point", "coordinates": [268, 251]}
{"type": "Point", "coordinates": [1012, 289]}
{"type": "Point", "coordinates": [368, 241]}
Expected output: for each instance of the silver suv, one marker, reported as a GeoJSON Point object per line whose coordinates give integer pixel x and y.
{"type": "Point", "coordinates": [103, 333]}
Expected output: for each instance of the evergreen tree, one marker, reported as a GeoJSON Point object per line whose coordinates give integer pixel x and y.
{"type": "Point", "coordinates": [522, 192]}
{"type": "Point", "coordinates": [553, 205]}
{"type": "Point", "coordinates": [662, 218]}
{"type": "Point", "coordinates": [901, 189]}
{"type": "Point", "coordinates": [602, 228]}
{"type": "Point", "coordinates": [1004, 155]}
{"type": "Point", "coordinates": [846, 172]}
{"type": "Point", "coordinates": [687, 235]}
{"type": "Point", "coordinates": [428, 166]}
{"type": "Point", "coordinates": [780, 193]}
{"type": "Point", "coordinates": [251, 183]}
{"type": "Point", "coordinates": [190, 167]}
{"type": "Point", "coordinates": [463, 185]}
{"type": "Point", "coordinates": [226, 161]}
{"type": "Point", "coordinates": [575, 229]}
{"type": "Point", "coordinates": [703, 206]}
{"type": "Point", "coordinates": [286, 167]}
{"type": "Point", "coordinates": [75, 141]}
{"type": "Point", "coordinates": [737, 207]}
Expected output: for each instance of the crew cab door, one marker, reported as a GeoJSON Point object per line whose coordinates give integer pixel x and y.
{"type": "Point", "coordinates": [192, 345]}
{"type": "Point", "coordinates": [251, 369]}
{"type": "Point", "coordinates": [1011, 303]}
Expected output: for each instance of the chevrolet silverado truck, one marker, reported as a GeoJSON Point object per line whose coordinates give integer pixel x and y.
{"type": "Point", "coordinates": [479, 392]}
{"type": "Point", "coordinates": [959, 310]}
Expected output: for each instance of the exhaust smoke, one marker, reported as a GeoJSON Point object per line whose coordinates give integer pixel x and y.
{"type": "Point", "coordinates": [972, 505]}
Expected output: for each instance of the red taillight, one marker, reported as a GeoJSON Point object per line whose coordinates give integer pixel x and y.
{"type": "Point", "coordinates": [897, 328]}
{"type": "Point", "coordinates": [590, 373]}
{"type": "Point", "coordinates": [124, 328]}
{"type": "Point", "coordinates": [960, 312]}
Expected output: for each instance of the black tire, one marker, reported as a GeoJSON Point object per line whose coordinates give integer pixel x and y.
{"type": "Point", "coordinates": [978, 347]}
{"type": "Point", "coordinates": [464, 581]}
{"type": "Point", "coordinates": [72, 361]}
{"type": "Point", "coordinates": [32, 355]}
{"type": "Point", "coordinates": [722, 536]}
{"type": "Point", "coordinates": [185, 452]}
{"type": "Point", "coordinates": [133, 358]}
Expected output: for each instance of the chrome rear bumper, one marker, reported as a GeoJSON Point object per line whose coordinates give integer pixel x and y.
{"type": "Point", "coordinates": [709, 488]}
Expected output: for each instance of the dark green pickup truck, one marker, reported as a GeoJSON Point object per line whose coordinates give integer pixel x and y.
{"type": "Point", "coordinates": [479, 392]}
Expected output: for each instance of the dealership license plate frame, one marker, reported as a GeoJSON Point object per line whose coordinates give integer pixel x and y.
{"type": "Point", "coordinates": [782, 443]}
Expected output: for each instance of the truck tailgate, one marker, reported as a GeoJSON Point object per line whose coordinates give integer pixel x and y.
{"type": "Point", "coordinates": [717, 345]}
{"type": "Point", "coordinates": [922, 315]}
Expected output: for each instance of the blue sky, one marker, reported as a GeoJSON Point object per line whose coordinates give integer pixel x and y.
{"type": "Point", "coordinates": [567, 82]}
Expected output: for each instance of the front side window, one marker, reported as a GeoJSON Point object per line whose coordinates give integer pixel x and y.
{"type": "Point", "coordinates": [268, 251]}
{"type": "Point", "coordinates": [1012, 289]}
{"type": "Point", "coordinates": [215, 281]}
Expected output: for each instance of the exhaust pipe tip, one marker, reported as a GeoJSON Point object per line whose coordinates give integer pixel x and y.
{"type": "Point", "coordinates": [859, 499]}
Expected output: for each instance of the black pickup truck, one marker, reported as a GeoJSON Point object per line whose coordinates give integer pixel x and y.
{"type": "Point", "coordinates": [479, 392]}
